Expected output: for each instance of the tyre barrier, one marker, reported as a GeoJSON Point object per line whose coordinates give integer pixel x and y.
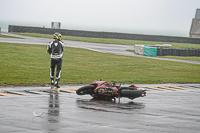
{"type": "Point", "coordinates": [165, 51]}
{"type": "Point", "coordinates": [149, 50]}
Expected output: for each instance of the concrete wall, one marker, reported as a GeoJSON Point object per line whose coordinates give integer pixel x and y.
{"type": "Point", "coordinates": [13, 28]}
{"type": "Point", "coordinates": [195, 36]}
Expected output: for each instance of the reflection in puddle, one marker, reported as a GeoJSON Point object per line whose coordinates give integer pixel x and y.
{"type": "Point", "coordinates": [52, 119]}
{"type": "Point", "coordinates": [109, 106]}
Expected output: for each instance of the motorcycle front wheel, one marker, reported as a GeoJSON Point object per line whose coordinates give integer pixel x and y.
{"type": "Point", "coordinates": [85, 90]}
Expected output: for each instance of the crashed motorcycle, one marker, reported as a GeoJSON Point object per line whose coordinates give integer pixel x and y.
{"type": "Point", "coordinates": [107, 90]}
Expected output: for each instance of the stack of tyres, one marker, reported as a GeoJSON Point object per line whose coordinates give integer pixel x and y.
{"type": "Point", "coordinates": [186, 52]}
{"type": "Point", "coordinates": [170, 51]}
{"type": "Point", "coordinates": [159, 51]}
{"type": "Point", "coordinates": [174, 53]}
{"type": "Point", "coordinates": [190, 52]}
{"type": "Point", "coordinates": [178, 52]}
{"type": "Point", "coordinates": [197, 52]}
{"type": "Point", "coordinates": [166, 51]}
{"type": "Point", "coordinates": [181, 52]}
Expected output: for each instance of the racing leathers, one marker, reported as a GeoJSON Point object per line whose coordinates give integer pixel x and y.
{"type": "Point", "coordinates": [55, 49]}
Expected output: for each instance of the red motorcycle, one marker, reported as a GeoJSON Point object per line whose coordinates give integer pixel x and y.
{"type": "Point", "coordinates": [107, 90]}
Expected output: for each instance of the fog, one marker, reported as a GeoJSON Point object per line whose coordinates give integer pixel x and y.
{"type": "Point", "coordinates": [154, 17]}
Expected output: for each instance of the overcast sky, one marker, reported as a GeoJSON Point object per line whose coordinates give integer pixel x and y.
{"type": "Point", "coordinates": [155, 17]}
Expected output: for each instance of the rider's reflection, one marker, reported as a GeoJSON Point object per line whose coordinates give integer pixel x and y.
{"type": "Point", "coordinates": [53, 112]}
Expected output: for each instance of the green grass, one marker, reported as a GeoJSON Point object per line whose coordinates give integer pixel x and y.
{"type": "Point", "coordinates": [193, 58]}
{"type": "Point", "coordinates": [24, 64]}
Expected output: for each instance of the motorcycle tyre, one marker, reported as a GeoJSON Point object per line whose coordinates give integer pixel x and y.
{"type": "Point", "coordinates": [131, 93]}
{"type": "Point", "coordinates": [86, 89]}
{"type": "Point", "coordinates": [128, 88]}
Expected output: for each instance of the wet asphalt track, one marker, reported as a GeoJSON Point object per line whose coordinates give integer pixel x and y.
{"type": "Point", "coordinates": [162, 110]}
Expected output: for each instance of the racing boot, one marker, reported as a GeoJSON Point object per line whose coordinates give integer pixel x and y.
{"type": "Point", "coordinates": [56, 83]}
{"type": "Point", "coordinates": [52, 82]}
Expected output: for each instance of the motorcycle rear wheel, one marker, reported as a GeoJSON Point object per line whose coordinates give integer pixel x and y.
{"type": "Point", "coordinates": [85, 90]}
{"type": "Point", "coordinates": [128, 88]}
{"type": "Point", "coordinates": [131, 93]}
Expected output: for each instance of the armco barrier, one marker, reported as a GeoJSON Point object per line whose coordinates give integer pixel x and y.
{"type": "Point", "coordinates": [14, 28]}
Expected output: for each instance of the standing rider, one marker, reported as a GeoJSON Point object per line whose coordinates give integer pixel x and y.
{"type": "Point", "coordinates": [55, 49]}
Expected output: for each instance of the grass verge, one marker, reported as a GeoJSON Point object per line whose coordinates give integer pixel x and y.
{"type": "Point", "coordinates": [24, 64]}
{"type": "Point", "coordinates": [193, 58]}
